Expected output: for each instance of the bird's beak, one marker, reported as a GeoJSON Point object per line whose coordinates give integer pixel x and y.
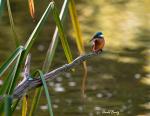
{"type": "Point", "coordinates": [102, 35]}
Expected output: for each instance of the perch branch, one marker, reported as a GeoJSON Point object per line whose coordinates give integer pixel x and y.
{"type": "Point", "coordinates": [28, 83]}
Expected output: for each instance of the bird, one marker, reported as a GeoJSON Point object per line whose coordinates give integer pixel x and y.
{"type": "Point", "coordinates": [98, 42]}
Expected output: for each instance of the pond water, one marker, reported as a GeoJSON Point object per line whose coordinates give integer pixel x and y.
{"type": "Point", "coordinates": [118, 79]}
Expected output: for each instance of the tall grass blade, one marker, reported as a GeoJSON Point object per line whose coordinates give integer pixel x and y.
{"type": "Point", "coordinates": [13, 75]}
{"type": "Point", "coordinates": [9, 61]}
{"type": "Point", "coordinates": [79, 39]}
{"type": "Point", "coordinates": [7, 106]}
{"type": "Point", "coordinates": [2, 108]}
{"type": "Point", "coordinates": [49, 57]}
{"type": "Point", "coordinates": [76, 26]}
{"type": "Point", "coordinates": [38, 27]}
{"type": "Point", "coordinates": [14, 105]}
{"type": "Point", "coordinates": [35, 101]}
{"type": "Point", "coordinates": [52, 47]}
{"type": "Point", "coordinates": [24, 106]}
{"type": "Point", "coordinates": [1, 6]}
{"type": "Point", "coordinates": [62, 34]}
{"type": "Point", "coordinates": [31, 8]}
{"type": "Point", "coordinates": [29, 44]}
{"type": "Point", "coordinates": [7, 81]}
{"type": "Point", "coordinates": [37, 97]}
{"type": "Point", "coordinates": [46, 92]}
{"type": "Point", "coordinates": [0, 2]}
{"type": "Point", "coordinates": [16, 40]}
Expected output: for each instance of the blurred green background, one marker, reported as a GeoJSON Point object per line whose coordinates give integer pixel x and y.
{"type": "Point", "coordinates": [118, 80]}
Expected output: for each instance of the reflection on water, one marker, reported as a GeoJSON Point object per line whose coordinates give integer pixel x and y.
{"type": "Point", "coordinates": [44, 107]}
{"type": "Point", "coordinates": [118, 80]}
{"type": "Point", "coordinates": [72, 84]}
{"type": "Point", "coordinates": [58, 88]}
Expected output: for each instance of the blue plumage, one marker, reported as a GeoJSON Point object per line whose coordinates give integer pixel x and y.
{"type": "Point", "coordinates": [98, 35]}
{"type": "Point", "coordinates": [98, 42]}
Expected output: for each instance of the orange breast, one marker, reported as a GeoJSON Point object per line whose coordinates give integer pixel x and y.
{"type": "Point", "coordinates": [98, 44]}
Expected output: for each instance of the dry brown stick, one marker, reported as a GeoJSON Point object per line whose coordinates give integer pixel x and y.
{"type": "Point", "coordinates": [29, 83]}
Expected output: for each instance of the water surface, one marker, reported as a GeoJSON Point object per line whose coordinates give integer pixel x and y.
{"type": "Point", "coordinates": [118, 79]}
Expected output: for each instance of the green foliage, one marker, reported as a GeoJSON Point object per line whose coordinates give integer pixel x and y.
{"type": "Point", "coordinates": [7, 106]}
{"type": "Point", "coordinates": [15, 38]}
{"type": "Point", "coordinates": [10, 60]}
{"type": "Point", "coordinates": [49, 56]}
{"type": "Point", "coordinates": [35, 101]}
{"type": "Point", "coordinates": [13, 75]}
{"type": "Point", "coordinates": [52, 47]}
{"type": "Point", "coordinates": [37, 29]}
{"type": "Point", "coordinates": [46, 92]}
{"type": "Point", "coordinates": [62, 34]}
{"type": "Point", "coordinates": [15, 61]}
{"type": "Point", "coordinates": [1, 6]}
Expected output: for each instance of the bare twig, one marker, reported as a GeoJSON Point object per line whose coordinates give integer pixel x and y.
{"type": "Point", "coordinates": [29, 83]}
{"type": "Point", "coordinates": [27, 66]}
{"type": "Point", "coordinates": [26, 73]}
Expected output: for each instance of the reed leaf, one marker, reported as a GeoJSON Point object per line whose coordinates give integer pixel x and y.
{"type": "Point", "coordinates": [24, 106]}
{"type": "Point", "coordinates": [2, 108]}
{"type": "Point", "coordinates": [31, 8]}
{"type": "Point", "coordinates": [1, 2]}
{"type": "Point", "coordinates": [38, 27]}
{"type": "Point", "coordinates": [46, 92]}
{"type": "Point", "coordinates": [7, 106]}
{"type": "Point", "coordinates": [1, 6]}
{"type": "Point", "coordinates": [7, 81]}
{"type": "Point", "coordinates": [62, 34]}
{"type": "Point", "coordinates": [29, 44]}
{"type": "Point", "coordinates": [37, 96]}
{"type": "Point", "coordinates": [14, 105]}
{"type": "Point", "coordinates": [27, 47]}
{"type": "Point", "coordinates": [52, 47]}
{"type": "Point", "coordinates": [10, 60]}
{"type": "Point", "coordinates": [35, 101]}
{"type": "Point", "coordinates": [13, 75]}
{"type": "Point", "coordinates": [49, 57]}
{"type": "Point", "coordinates": [16, 40]}
{"type": "Point", "coordinates": [78, 38]}
{"type": "Point", "coordinates": [76, 26]}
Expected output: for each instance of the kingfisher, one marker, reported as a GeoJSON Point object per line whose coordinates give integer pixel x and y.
{"type": "Point", "coordinates": [98, 42]}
